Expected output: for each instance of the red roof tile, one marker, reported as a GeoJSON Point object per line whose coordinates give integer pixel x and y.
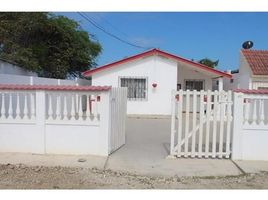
{"type": "Point", "coordinates": [54, 87]}
{"type": "Point", "coordinates": [257, 60]}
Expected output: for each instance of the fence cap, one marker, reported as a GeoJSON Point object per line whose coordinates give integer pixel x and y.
{"type": "Point", "coordinates": [54, 87]}
{"type": "Point", "coordinates": [247, 91]}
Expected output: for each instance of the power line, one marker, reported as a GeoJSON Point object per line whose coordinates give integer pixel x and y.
{"type": "Point", "coordinates": [115, 28]}
{"type": "Point", "coordinates": [108, 33]}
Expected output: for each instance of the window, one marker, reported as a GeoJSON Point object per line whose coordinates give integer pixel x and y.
{"type": "Point", "coordinates": [137, 87]}
{"type": "Point", "coordinates": [194, 85]}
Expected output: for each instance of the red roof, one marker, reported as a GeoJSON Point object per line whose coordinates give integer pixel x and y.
{"type": "Point", "coordinates": [247, 91]}
{"type": "Point", "coordinates": [257, 60]}
{"type": "Point", "coordinates": [158, 52]}
{"type": "Point", "coordinates": [54, 87]}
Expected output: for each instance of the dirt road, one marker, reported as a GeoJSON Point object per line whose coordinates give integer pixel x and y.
{"type": "Point", "coordinates": [27, 177]}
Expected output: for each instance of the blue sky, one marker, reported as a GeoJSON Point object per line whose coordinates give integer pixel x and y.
{"type": "Point", "coordinates": [190, 35]}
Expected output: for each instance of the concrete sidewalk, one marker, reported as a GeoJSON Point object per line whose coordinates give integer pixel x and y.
{"type": "Point", "coordinates": [145, 152]}
{"type": "Point", "coordinates": [88, 161]}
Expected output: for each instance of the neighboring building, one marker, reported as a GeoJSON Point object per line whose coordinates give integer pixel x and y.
{"type": "Point", "coordinates": [253, 71]}
{"type": "Point", "coordinates": [12, 69]}
{"type": "Point", "coordinates": [151, 76]}
{"type": "Point", "coordinates": [13, 74]}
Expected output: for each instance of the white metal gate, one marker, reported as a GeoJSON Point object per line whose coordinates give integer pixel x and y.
{"type": "Point", "coordinates": [118, 118]}
{"type": "Point", "coordinates": [201, 124]}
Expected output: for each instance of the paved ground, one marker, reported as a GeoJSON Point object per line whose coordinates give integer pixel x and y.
{"type": "Point", "coordinates": [144, 156]}
{"type": "Point", "coordinates": [146, 149]}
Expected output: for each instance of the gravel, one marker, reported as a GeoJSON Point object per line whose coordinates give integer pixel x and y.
{"type": "Point", "coordinates": [39, 177]}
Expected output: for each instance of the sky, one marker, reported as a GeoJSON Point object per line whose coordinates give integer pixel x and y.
{"type": "Point", "coordinates": [217, 36]}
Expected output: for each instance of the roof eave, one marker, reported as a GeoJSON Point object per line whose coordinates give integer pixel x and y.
{"type": "Point", "coordinates": [156, 51]}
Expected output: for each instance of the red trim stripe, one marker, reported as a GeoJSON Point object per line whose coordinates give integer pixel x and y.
{"type": "Point", "coordinates": [162, 53]}
{"type": "Point", "coordinates": [54, 87]}
{"type": "Point", "coordinates": [248, 91]}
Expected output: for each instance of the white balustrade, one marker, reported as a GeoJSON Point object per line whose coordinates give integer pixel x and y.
{"type": "Point", "coordinates": [17, 105]}
{"type": "Point", "coordinates": [3, 114]}
{"type": "Point", "coordinates": [254, 110]}
{"type": "Point", "coordinates": [10, 109]}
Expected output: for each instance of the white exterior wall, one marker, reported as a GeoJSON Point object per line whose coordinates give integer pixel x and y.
{"type": "Point", "coordinates": [7, 68]}
{"type": "Point", "coordinates": [259, 82]}
{"type": "Point", "coordinates": [32, 80]}
{"type": "Point", "coordinates": [157, 70]}
{"type": "Point", "coordinates": [165, 72]}
{"type": "Point", "coordinates": [244, 74]}
{"type": "Point", "coordinates": [228, 85]}
{"type": "Point", "coordinates": [184, 73]}
{"type": "Point", "coordinates": [243, 79]}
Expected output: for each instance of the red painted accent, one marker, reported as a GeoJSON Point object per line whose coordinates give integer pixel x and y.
{"type": "Point", "coordinates": [247, 91]}
{"type": "Point", "coordinates": [205, 98]}
{"type": "Point", "coordinates": [177, 97]}
{"type": "Point", "coordinates": [54, 87]}
{"type": "Point", "coordinates": [158, 52]}
{"type": "Point", "coordinates": [154, 85]}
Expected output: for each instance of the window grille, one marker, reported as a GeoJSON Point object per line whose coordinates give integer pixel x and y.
{"type": "Point", "coordinates": [137, 87]}
{"type": "Point", "coordinates": [194, 85]}
{"type": "Point", "coordinates": [262, 88]}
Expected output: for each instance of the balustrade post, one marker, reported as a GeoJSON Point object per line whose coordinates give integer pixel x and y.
{"type": "Point", "coordinates": [41, 117]}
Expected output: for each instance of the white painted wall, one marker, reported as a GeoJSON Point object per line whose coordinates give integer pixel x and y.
{"type": "Point", "coordinates": [259, 82]}
{"type": "Point", "coordinates": [229, 85]}
{"type": "Point", "coordinates": [245, 74]}
{"type": "Point", "coordinates": [40, 128]}
{"type": "Point", "coordinates": [7, 68]}
{"type": "Point", "coordinates": [32, 80]}
{"type": "Point", "coordinates": [184, 72]}
{"type": "Point", "coordinates": [157, 70]}
{"type": "Point", "coordinates": [243, 79]}
{"type": "Point", "coordinates": [250, 128]}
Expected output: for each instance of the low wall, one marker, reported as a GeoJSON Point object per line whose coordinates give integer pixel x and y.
{"type": "Point", "coordinates": [250, 130]}
{"type": "Point", "coordinates": [36, 124]}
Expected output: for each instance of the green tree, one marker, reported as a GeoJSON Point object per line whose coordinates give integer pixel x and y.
{"type": "Point", "coordinates": [53, 46]}
{"type": "Point", "coordinates": [209, 63]}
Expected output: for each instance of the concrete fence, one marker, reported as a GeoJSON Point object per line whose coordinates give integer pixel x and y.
{"type": "Point", "coordinates": [61, 119]}
{"type": "Point", "coordinates": [250, 140]}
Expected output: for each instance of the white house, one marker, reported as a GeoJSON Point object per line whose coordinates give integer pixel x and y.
{"type": "Point", "coordinates": [252, 73]}
{"type": "Point", "coordinates": [151, 76]}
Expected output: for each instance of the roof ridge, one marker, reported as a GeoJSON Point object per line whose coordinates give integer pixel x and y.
{"type": "Point", "coordinates": [255, 50]}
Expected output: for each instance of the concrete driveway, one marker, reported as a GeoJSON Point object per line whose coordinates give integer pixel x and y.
{"type": "Point", "coordinates": [147, 148]}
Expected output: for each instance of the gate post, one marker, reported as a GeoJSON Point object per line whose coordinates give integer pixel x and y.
{"type": "Point", "coordinates": [172, 135]}
{"type": "Point", "coordinates": [237, 126]}
{"type": "Point", "coordinates": [105, 123]}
